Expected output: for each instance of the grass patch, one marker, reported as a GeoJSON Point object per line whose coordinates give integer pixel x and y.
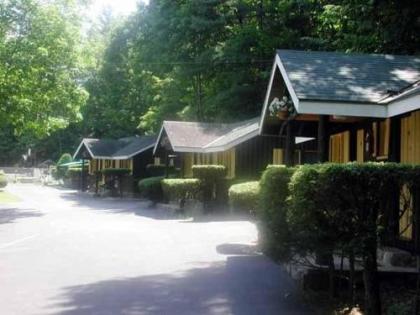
{"type": "Point", "coordinates": [6, 197]}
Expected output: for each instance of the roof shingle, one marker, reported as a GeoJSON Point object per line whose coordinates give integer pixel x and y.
{"type": "Point", "coordinates": [117, 149]}
{"type": "Point", "coordinates": [211, 137]}
{"type": "Point", "coordinates": [332, 76]}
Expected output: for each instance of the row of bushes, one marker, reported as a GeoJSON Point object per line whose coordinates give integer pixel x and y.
{"type": "Point", "coordinates": [334, 208]}
{"type": "Point", "coordinates": [205, 186]}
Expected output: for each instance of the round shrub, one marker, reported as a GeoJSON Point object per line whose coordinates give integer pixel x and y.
{"type": "Point", "coordinates": [151, 188]}
{"type": "Point", "coordinates": [3, 180]}
{"type": "Point", "coordinates": [245, 196]}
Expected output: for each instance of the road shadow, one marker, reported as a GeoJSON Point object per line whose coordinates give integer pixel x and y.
{"type": "Point", "coordinates": [11, 215]}
{"type": "Point", "coordinates": [244, 285]}
{"type": "Point", "coordinates": [117, 205]}
{"type": "Point", "coordinates": [238, 249]}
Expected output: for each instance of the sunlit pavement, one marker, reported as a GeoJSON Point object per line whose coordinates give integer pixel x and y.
{"type": "Point", "coordinates": [66, 253]}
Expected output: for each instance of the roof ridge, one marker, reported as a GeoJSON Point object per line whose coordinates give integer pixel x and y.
{"type": "Point", "coordinates": [245, 124]}
{"type": "Point", "coordinates": [346, 53]}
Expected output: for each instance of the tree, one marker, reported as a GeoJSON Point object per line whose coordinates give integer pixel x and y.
{"type": "Point", "coordinates": [40, 67]}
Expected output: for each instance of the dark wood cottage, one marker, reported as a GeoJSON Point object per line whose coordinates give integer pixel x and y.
{"type": "Point", "coordinates": [133, 153]}
{"type": "Point", "coordinates": [358, 107]}
{"type": "Point", "coordinates": [238, 146]}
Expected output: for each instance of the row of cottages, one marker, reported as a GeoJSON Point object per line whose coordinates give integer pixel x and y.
{"type": "Point", "coordinates": [357, 107]}
{"type": "Point", "coordinates": [237, 146]}
{"type": "Point", "coordinates": [133, 153]}
{"type": "Point", "coordinates": [319, 106]}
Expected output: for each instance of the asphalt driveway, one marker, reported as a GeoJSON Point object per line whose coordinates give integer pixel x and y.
{"type": "Point", "coordinates": [66, 253]}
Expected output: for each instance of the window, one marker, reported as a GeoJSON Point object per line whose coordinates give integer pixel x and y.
{"type": "Point", "coordinates": [157, 161]}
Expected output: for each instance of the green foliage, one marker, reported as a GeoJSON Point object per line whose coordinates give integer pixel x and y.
{"type": "Point", "coordinates": [213, 183]}
{"type": "Point", "coordinates": [179, 189]}
{"type": "Point", "coordinates": [274, 192]}
{"type": "Point", "coordinates": [348, 208]}
{"type": "Point", "coordinates": [3, 180]}
{"type": "Point", "coordinates": [60, 171]}
{"type": "Point", "coordinates": [40, 66]}
{"type": "Point", "coordinates": [116, 171]}
{"type": "Point", "coordinates": [245, 196]}
{"type": "Point", "coordinates": [197, 60]}
{"type": "Point", "coordinates": [326, 197]}
{"type": "Point", "coordinates": [64, 159]}
{"type": "Point", "coordinates": [151, 188]}
{"type": "Point", "coordinates": [210, 173]}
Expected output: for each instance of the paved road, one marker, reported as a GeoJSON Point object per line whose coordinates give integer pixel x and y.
{"type": "Point", "coordinates": [66, 253]}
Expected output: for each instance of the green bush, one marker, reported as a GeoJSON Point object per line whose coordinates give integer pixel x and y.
{"type": "Point", "coordinates": [116, 171]}
{"type": "Point", "coordinates": [349, 208]}
{"type": "Point", "coordinates": [3, 180]}
{"type": "Point", "coordinates": [179, 189]}
{"type": "Point", "coordinates": [61, 171]}
{"type": "Point", "coordinates": [209, 173]}
{"type": "Point", "coordinates": [151, 188]}
{"type": "Point", "coordinates": [213, 183]}
{"type": "Point", "coordinates": [64, 159]}
{"type": "Point", "coordinates": [245, 196]}
{"type": "Point", "coordinates": [272, 211]}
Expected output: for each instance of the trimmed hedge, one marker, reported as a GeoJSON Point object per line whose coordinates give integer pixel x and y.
{"type": "Point", "coordinates": [272, 211]}
{"type": "Point", "coordinates": [209, 172]}
{"type": "Point", "coordinates": [3, 180]}
{"type": "Point", "coordinates": [213, 183]}
{"type": "Point", "coordinates": [179, 189]}
{"type": "Point", "coordinates": [245, 196]}
{"type": "Point", "coordinates": [151, 188]}
{"type": "Point", "coordinates": [329, 208]}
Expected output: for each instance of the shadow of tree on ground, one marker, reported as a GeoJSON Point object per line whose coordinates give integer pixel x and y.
{"type": "Point", "coordinates": [118, 205]}
{"type": "Point", "coordinates": [243, 285]}
{"type": "Point", "coordinates": [10, 215]}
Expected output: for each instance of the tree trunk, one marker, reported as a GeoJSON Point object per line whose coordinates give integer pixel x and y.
{"type": "Point", "coordinates": [371, 282]}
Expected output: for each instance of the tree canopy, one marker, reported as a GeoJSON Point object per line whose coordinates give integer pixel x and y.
{"type": "Point", "coordinates": [206, 60]}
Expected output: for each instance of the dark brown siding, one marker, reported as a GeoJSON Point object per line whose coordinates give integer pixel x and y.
{"type": "Point", "coordinates": [140, 161]}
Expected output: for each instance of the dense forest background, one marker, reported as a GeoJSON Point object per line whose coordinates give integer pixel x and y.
{"type": "Point", "coordinates": [63, 78]}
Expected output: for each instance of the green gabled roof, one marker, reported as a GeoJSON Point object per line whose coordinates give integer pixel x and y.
{"type": "Point", "coordinates": [361, 78]}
